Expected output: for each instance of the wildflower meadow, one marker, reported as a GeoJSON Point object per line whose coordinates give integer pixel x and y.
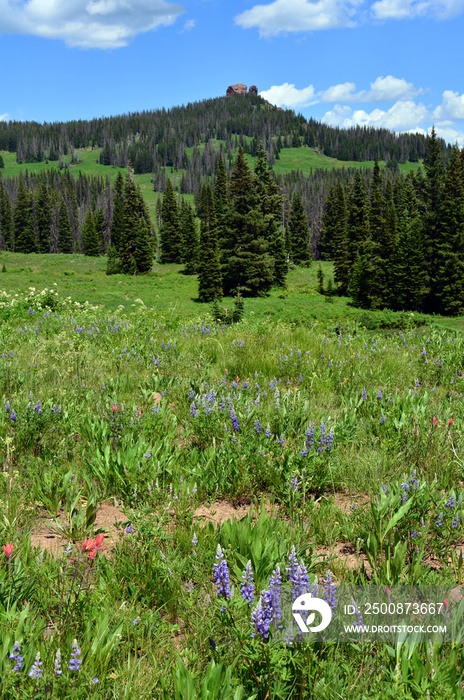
{"type": "Point", "coordinates": [234, 460]}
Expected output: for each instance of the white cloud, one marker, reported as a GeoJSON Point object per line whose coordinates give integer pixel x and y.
{"type": "Point", "coordinates": [407, 9]}
{"type": "Point", "coordinates": [4, 117]}
{"type": "Point", "coordinates": [450, 135]}
{"type": "Point", "coordinates": [298, 15]}
{"type": "Point", "coordinates": [189, 24]}
{"type": "Point", "coordinates": [402, 116]}
{"type": "Point", "coordinates": [103, 24]}
{"type": "Point", "coordinates": [452, 106]}
{"type": "Point", "coordinates": [287, 95]}
{"type": "Point", "coordinates": [381, 90]}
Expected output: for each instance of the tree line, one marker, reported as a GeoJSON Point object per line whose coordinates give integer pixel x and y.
{"type": "Point", "coordinates": [399, 243]}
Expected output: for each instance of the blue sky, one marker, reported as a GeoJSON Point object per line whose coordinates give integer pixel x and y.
{"type": "Point", "coordinates": [388, 63]}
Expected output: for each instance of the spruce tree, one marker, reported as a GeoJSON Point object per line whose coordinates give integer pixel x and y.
{"type": "Point", "coordinates": [131, 216]}
{"type": "Point", "coordinates": [299, 233]}
{"type": "Point", "coordinates": [270, 205]}
{"type": "Point", "coordinates": [90, 237]}
{"type": "Point", "coordinates": [342, 265]}
{"type": "Point", "coordinates": [434, 176]}
{"type": "Point", "coordinates": [358, 219]}
{"type": "Point", "coordinates": [170, 230]}
{"type": "Point", "coordinates": [117, 221]}
{"type": "Point", "coordinates": [360, 280]}
{"type": "Point", "coordinates": [209, 269]}
{"type": "Point", "coordinates": [247, 267]}
{"type": "Point", "coordinates": [6, 219]}
{"type": "Point", "coordinates": [409, 277]}
{"type": "Point", "coordinates": [113, 261]}
{"type": "Point", "coordinates": [329, 225]}
{"type": "Point", "coordinates": [24, 235]}
{"type": "Point", "coordinates": [190, 237]}
{"type": "Point", "coordinates": [448, 279]}
{"type": "Point", "coordinates": [44, 218]}
{"type": "Point", "coordinates": [144, 250]}
{"type": "Point", "coordinates": [100, 229]}
{"type": "Point", "coordinates": [65, 241]}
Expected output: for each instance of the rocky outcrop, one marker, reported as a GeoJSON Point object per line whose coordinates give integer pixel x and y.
{"type": "Point", "coordinates": [238, 89]}
{"type": "Point", "coordinates": [253, 90]}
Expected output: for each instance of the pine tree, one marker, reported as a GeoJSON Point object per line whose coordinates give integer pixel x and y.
{"type": "Point", "coordinates": [360, 281]}
{"type": "Point", "coordinates": [170, 230]}
{"type": "Point", "coordinates": [448, 280]}
{"type": "Point", "coordinates": [44, 218]}
{"type": "Point", "coordinates": [113, 261]}
{"type": "Point", "coordinates": [65, 242]}
{"type": "Point", "coordinates": [90, 236]}
{"type": "Point", "coordinates": [23, 218]}
{"type": "Point", "coordinates": [190, 238]}
{"type": "Point", "coordinates": [221, 192]}
{"type": "Point", "coordinates": [299, 233]}
{"type": "Point", "coordinates": [131, 216]}
{"type": "Point", "coordinates": [209, 269]}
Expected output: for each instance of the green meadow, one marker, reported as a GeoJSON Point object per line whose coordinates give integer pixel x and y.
{"type": "Point", "coordinates": [169, 484]}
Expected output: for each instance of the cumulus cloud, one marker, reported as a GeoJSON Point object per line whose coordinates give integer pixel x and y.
{"type": "Point", "coordinates": [4, 117]}
{"type": "Point", "coordinates": [381, 90]}
{"type": "Point", "coordinates": [407, 9]}
{"type": "Point", "coordinates": [298, 15]}
{"type": "Point", "coordinates": [287, 95]}
{"type": "Point", "coordinates": [402, 116]}
{"type": "Point", "coordinates": [450, 134]}
{"type": "Point", "coordinates": [103, 24]}
{"type": "Point", "coordinates": [452, 106]}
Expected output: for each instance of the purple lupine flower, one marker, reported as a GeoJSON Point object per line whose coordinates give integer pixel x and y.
{"type": "Point", "coordinates": [194, 540]}
{"type": "Point", "coordinates": [450, 502]}
{"type": "Point", "coordinates": [57, 668]}
{"type": "Point", "coordinates": [258, 428]}
{"type": "Point", "coordinates": [382, 418]}
{"type": "Point", "coordinates": [16, 657]}
{"type": "Point", "coordinates": [247, 587]}
{"type": "Point", "coordinates": [235, 425]}
{"type": "Point", "coordinates": [191, 393]}
{"type": "Point", "coordinates": [129, 529]}
{"type": "Point", "coordinates": [414, 534]}
{"type": "Point", "coordinates": [301, 581]}
{"type": "Point", "coordinates": [268, 431]}
{"type": "Point", "coordinates": [221, 574]}
{"type": "Point", "coordinates": [329, 440]}
{"type": "Point", "coordinates": [75, 662]}
{"type": "Point", "coordinates": [294, 483]}
{"type": "Point", "coordinates": [261, 616]}
{"type": "Point", "coordinates": [364, 394]}
{"type": "Point", "coordinates": [330, 590]}
{"type": "Point", "coordinates": [379, 394]}
{"type": "Point", "coordinates": [275, 584]}
{"type": "Point", "coordinates": [193, 410]}
{"type": "Point", "coordinates": [36, 670]}
{"type": "Point", "coordinates": [439, 521]}
{"type": "Point", "coordinates": [136, 621]}
{"type": "Point", "coordinates": [7, 406]}
{"type": "Point", "coordinates": [455, 522]}
{"type": "Point", "coordinates": [321, 438]}
{"type": "Point", "coordinates": [13, 415]}
{"type": "Point", "coordinates": [310, 436]}
{"type": "Point", "coordinates": [293, 565]}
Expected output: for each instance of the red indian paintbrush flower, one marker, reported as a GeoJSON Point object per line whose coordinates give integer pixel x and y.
{"type": "Point", "coordinates": [91, 546]}
{"type": "Point", "coordinates": [8, 550]}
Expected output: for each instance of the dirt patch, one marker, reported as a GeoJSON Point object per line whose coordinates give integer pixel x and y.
{"type": "Point", "coordinates": [45, 537]}
{"type": "Point", "coordinates": [346, 557]}
{"type": "Point", "coordinates": [217, 513]}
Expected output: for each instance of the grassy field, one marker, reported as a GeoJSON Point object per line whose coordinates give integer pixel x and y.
{"type": "Point", "coordinates": [168, 486]}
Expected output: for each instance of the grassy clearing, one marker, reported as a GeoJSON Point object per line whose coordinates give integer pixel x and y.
{"type": "Point", "coordinates": [332, 440]}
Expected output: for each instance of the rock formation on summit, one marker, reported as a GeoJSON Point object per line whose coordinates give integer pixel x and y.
{"type": "Point", "coordinates": [253, 90]}
{"type": "Point", "coordinates": [238, 89]}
